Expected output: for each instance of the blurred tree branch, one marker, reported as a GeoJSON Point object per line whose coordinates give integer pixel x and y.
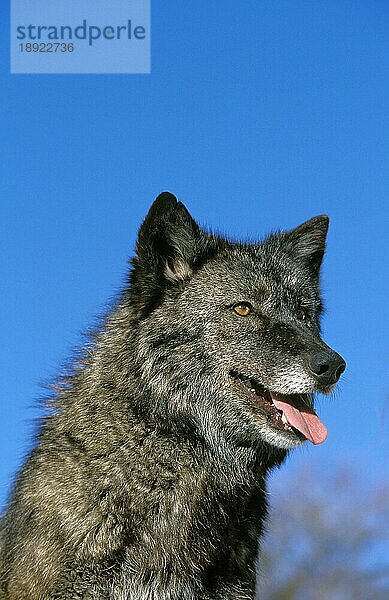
{"type": "Point", "coordinates": [327, 540]}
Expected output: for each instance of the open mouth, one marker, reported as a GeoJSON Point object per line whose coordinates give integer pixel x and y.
{"type": "Point", "coordinates": [291, 413]}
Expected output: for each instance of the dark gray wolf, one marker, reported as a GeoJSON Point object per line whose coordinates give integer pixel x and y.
{"type": "Point", "coordinates": [148, 478]}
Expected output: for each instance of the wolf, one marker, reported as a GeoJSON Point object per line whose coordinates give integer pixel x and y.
{"type": "Point", "coordinates": [148, 477]}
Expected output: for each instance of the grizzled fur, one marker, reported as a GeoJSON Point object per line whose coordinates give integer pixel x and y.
{"type": "Point", "coordinates": [148, 479]}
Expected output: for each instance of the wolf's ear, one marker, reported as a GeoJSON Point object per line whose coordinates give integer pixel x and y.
{"type": "Point", "coordinates": [167, 238]}
{"type": "Point", "coordinates": [307, 242]}
{"type": "Point", "coordinates": [165, 248]}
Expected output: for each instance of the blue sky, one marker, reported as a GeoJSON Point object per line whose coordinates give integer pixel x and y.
{"type": "Point", "coordinates": [257, 115]}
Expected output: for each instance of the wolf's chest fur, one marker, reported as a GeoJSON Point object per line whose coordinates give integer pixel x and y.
{"type": "Point", "coordinates": [148, 478]}
{"type": "Point", "coordinates": [187, 529]}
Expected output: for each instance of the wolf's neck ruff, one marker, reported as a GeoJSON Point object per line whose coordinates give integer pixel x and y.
{"type": "Point", "coordinates": [148, 479]}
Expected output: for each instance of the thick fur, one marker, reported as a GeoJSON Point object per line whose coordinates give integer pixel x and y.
{"type": "Point", "coordinates": [148, 478]}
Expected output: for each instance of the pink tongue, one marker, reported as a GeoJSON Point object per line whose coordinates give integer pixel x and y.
{"type": "Point", "coordinates": [302, 418]}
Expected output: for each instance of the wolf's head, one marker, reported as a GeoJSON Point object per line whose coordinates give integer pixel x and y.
{"type": "Point", "coordinates": [228, 333]}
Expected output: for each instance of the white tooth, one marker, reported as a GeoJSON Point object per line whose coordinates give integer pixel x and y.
{"type": "Point", "coordinates": [252, 390]}
{"type": "Point", "coordinates": [284, 419]}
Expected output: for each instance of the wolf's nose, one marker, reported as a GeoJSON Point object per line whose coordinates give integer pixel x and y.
{"type": "Point", "coordinates": [327, 366]}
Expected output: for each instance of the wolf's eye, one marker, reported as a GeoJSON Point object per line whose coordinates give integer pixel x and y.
{"type": "Point", "coordinates": [243, 309]}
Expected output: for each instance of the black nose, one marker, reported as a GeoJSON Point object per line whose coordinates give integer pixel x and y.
{"type": "Point", "coordinates": [327, 366]}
